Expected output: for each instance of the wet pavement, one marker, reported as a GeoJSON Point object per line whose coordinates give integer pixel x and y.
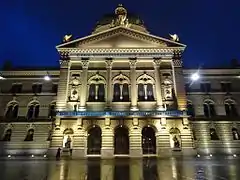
{"type": "Point", "coordinates": [122, 169]}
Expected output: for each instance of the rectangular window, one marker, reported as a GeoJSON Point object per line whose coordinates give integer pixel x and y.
{"type": "Point", "coordinates": [36, 88]}
{"type": "Point", "coordinates": [54, 88]}
{"type": "Point", "coordinates": [187, 87]}
{"type": "Point", "coordinates": [205, 87]}
{"type": "Point", "coordinates": [226, 86]}
{"type": "Point", "coordinates": [16, 88]}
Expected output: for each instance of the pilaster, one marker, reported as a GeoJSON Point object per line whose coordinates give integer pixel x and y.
{"type": "Point", "coordinates": [109, 82]}
{"type": "Point", "coordinates": [179, 81]}
{"type": "Point", "coordinates": [157, 62]}
{"type": "Point", "coordinates": [79, 140]}
{"type": "Point", "coordinates": [83, 98]}
{"type": "Point", "coordinates": [135, 140]}
{"type": "Point", "coordinates": [107, 140]}
{"type": "Point", "coordinates": [63, 83]}
{"type": "Point", "coordinates": [133, 62]}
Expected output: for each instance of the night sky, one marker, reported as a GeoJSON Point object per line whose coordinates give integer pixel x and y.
{"type": "Point", "coordinates": [30, 29]}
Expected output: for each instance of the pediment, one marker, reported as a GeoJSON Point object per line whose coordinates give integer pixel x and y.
{"type": "Point", "coordinates": [121, 41]}
{"type": "Point", "coordinates": [120, 37]}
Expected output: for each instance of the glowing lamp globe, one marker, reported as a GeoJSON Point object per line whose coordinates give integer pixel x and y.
{"type": "Point", "coordinates": [195, 76]}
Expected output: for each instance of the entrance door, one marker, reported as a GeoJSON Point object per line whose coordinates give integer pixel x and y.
{"type": "Point", "coordinates": [121, 140]}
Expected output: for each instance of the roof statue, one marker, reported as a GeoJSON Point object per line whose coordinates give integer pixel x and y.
{"type": "Point", "coordinates": [121, 19]}
{"type": "Point", "coordinates": [67, 38]}
{"type": "Point", "coordinates": [174, 37]}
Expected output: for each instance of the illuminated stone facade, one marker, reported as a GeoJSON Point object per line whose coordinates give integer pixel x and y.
{"type": "Point", "coordinates": [120, 92]}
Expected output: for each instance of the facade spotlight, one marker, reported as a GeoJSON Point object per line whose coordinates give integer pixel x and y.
{"type": "Point", "coordinates": [9, 156]}
{"type": "Point", "coordinates": [195, 76]}
{"type": "Point", "coordinates": [47, 78]}
{"type": "Point", "coordinates": [198, 155]}
{"type": "Point", "coordinates": [234, 155]}
{"type": "Point", "coordinates": [210, 155]}
{"type": "Point", "coordinates": [2, 78]}
{"type": "Point", "coordinates": [32, 156]}
{"type": "Point", "coordinates": [44, 155]}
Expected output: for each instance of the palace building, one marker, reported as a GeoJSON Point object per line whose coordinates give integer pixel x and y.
{"type": "Point", "coordinates": [120, 91]}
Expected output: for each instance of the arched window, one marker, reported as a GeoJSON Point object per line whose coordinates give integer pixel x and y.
{"type": "Point", "coordinates": [33, 110]}
{"type": "Point", "coordinates": [29, 136]}
{"type": "Point", "coordinates": [209, 109]}
{"type": "Point", "coordinates": [145, 88]}
{"type": "Point", "coordinates": [190, 109]}
{"type": "Point", "coordinates": [7, 135]}
{"type": "Point", "coordinates": [235, 134]}
{"type": "Point", "coordinates": [12, 110]}
{"type": "Point", "coordinates": [94, 140]}
{"type": "Point", "coordinates": [213, 134]}
{"type": "Point", "coordinates": [52, 110]}
{"type": "Point", "coordinates": [96, 92]}
{"type": "Point", "coordinates": [121, 88]}
{"type": "Point", "coordinates": [148, 140]}
{"type": "Point", "coordinates": [121, 140]}
{"type": "Point", "coordinates": [230, 108]}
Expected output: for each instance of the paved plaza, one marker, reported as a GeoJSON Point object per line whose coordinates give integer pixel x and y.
{"type": "Point", "coordinates": [122, 169]}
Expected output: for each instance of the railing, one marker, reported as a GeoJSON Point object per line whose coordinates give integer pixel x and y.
{"type": "Point", "coordinates": [120, 113]}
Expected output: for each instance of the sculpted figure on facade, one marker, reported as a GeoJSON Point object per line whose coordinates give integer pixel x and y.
{"type": "Point", "coordinates": [121, 19]}
{"type": "Point", "coordinates": [167, 89]}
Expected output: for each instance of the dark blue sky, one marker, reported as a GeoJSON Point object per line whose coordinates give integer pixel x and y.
{"type": "Point", "coordinates": [30, 29]}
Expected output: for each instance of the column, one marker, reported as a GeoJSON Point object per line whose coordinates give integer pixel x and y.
{"type": "Point", "coordinates": [63, 85]}
{"type": "Point", "coordinates": [178, 78]}
{"type": "Point", "coordinates": [157, 62]}
{"type": "Point", "coordinates": [83, 98]}
{"type": "Point", "coordinates": [133, 62]}
{"type": "Point", "coordinates": [135, 139]}
{"type": "Point", "coordinates": [109, 82]}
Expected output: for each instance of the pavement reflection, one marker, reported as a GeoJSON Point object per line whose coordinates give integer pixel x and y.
{"type": "Point", "coordinates": [121, 169]}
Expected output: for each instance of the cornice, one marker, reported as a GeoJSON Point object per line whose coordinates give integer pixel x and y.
{"type": "Point", "coordinates": [121, 52]}
{"type": "Point", "coordinates": [31, 73]}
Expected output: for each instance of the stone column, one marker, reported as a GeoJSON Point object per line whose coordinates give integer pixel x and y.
{"type": "Point", "coordinates": [109, 82]}
{"type": "Point", "coordinates": [63, 84]}
{"type": "Point", "coordinates": [83, 98]}
{"type": "Point", "coordinates": [178, 78]}
{"type": "Point", "coordinates": [135, 140]}
{"type": "Point", "coordinates": [157, 63]}
{"type": "Point", "coordinates": [107, 139]}
{"type": "Point", "coordinates": [134, 98]}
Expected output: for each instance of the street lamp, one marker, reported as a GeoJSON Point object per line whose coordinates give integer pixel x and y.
{"type": "Point", "coordinates": [47, 77]}
{"type": "Point", "coordinates": [195, 76]}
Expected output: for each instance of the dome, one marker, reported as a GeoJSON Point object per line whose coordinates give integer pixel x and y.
{"type": "Point", "coordinates": [119, 18]}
